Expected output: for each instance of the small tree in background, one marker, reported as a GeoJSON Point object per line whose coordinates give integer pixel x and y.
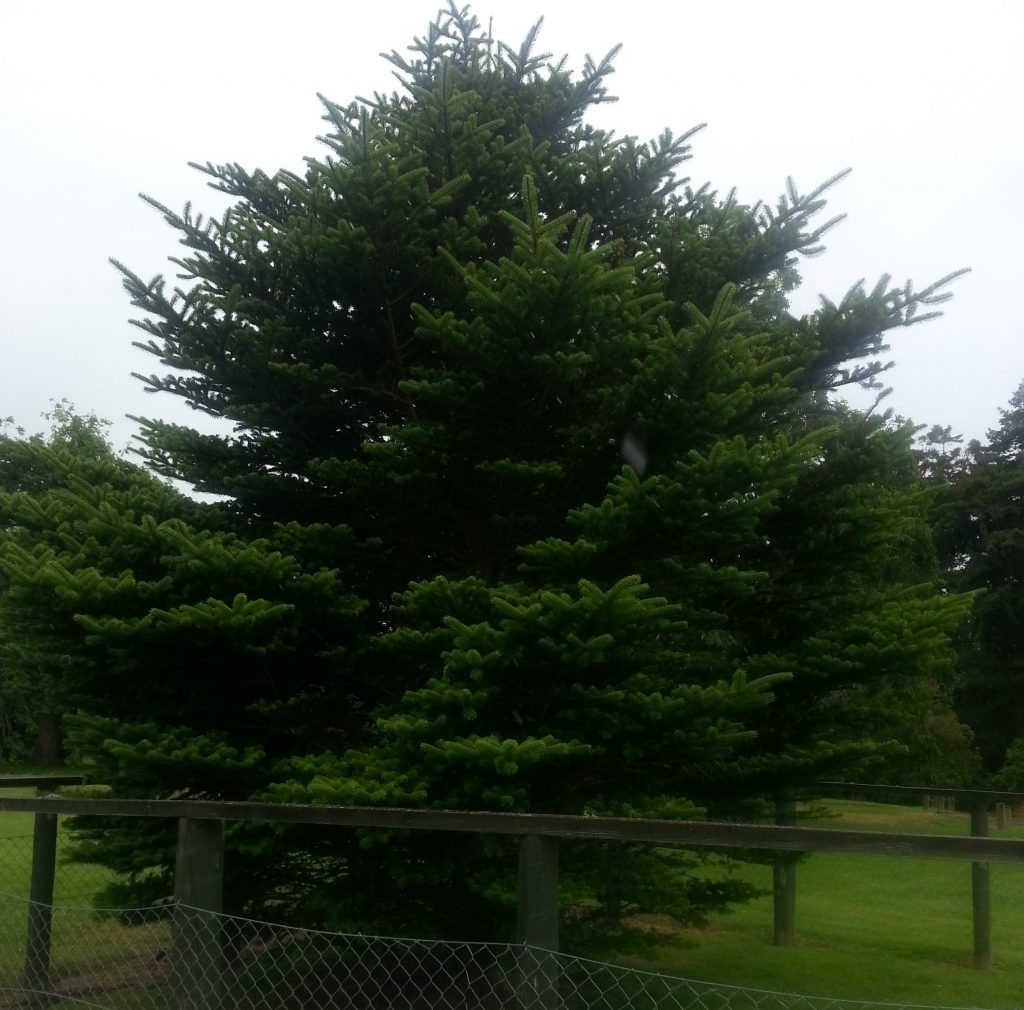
{"type": "Point", "coordinates": [979, 530]}
{"type": "Point", "coordinates": [114, 583]}
{"type": "Point", "coordinates": [33, 664]}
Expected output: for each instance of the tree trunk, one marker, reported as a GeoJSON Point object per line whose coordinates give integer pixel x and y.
{"type": "Point", "coordinates": [47, 749]}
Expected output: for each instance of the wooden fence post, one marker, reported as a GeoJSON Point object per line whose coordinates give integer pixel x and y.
{"type": "Point", "coordinates": [981, 892]}
{"type": "Point", "coordinates": [199, 896]}
{"type": "Point", "coordinates": [40, 909]}
{"type": "Point", "coordinates": [537, 925]}
{"type": "Point", "coordinates": [784, 882]}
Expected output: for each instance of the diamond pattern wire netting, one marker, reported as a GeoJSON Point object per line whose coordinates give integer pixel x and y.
{"type": "Point", "coordinates": [180, 957]}
{"type": "Point", "coordinates": [171, 957]}
{"type": "Point", "coordinates": [75, 883]}
{"type": "Point", "coordinates": [74, 955]}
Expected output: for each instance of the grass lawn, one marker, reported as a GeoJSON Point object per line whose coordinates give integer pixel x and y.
{"type": "Point", "coordinates": [93, 955]}
{"type": "Point", "coordinates": [869, 927]}
{"type": "Point", "coordinates": [74, 884]}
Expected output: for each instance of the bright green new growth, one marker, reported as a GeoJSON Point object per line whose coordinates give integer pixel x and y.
{"type": "Point", "coordinates": [535, 500]}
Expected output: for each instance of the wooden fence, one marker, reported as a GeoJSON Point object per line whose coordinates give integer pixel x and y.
{"type": "Point", "coordinates": [977, 801]}
{"type": "Point", "coordinates": [200, 855]}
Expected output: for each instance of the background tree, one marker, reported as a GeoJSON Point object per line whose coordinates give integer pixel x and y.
{"type": "Point", "coordinates": [32, 663]}
{"type": "Point", "coordinates": [432, 579]}
{"type": "Point", "coordinates": [114, 583]}
{"type": "Point", "coordinates": [979, 526]}
{"type": "Point", "coordinates": [940, 454]}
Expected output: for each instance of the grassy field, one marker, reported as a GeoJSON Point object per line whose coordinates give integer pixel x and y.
{"type": "Point", "coordinates": [869, 927]}
{"type": "Point", "coordinates": [74, 884]}
{"type": "Point", "coordinates": [93, 955]}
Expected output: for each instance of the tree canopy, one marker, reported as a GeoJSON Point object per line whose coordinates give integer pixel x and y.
{"type": "Point", "coordinates": [536, 497]}
{"type": "Point", "coordinates": [979, 527]}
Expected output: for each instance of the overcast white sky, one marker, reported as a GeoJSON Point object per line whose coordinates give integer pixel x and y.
{"type": "Point", "coordinates": [100, 101]}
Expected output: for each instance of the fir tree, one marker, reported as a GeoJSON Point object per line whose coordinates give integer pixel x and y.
{"type": "Point", "coordinates": [535, 498]}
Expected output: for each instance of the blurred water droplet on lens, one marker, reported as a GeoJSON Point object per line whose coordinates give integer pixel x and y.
{"type": "Point", "coordinates": [633, 453]}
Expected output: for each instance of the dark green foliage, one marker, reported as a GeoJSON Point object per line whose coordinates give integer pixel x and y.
{"type": "Point", "coordinates": [979, 530]}
{"type": "Point", "coordinates": [1011, 775]}
{"type": "Point", "coordinates": [123, 598]}
{"type": "Point", "coordinates": [433, 580]}
{"type": "Point", "coordinates": [33, 661]}
{"type": "Point", "coordinates": [941, 456]}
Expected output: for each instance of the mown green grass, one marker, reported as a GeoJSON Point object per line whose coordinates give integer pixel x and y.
{"type": "Point", "coordinates": [92, 952]}
{"type": "Point", "coordinates": [877, 928]}
{"type": "Point", "coordinates": [74, 883]}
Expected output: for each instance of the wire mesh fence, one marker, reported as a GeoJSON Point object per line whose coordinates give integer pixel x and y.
{"type": "Point", "coordinates": [101, 958]}
{"type": "Point", "coordinates": [179, 957]}
{"type": "Point", "coordinates": [74, 884]}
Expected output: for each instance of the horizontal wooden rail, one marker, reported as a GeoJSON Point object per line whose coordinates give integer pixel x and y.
{"type": "Point", "coordinates": [705, 834]}
{"type": "Point", "coordinates": [40, 781]}
{"type": "Point", "coordinates": [52, 781]}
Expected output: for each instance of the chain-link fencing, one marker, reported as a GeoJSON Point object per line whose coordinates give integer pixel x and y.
{"type": "Point", "coordinates": [179, 957]}
{"type": "Point", "coordinates": [74, 884]}
{"type": "Point", "coordinates": [51, 956]}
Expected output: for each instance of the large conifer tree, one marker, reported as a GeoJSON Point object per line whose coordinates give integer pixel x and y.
{"type": "Point", "coordinates": [535, 496]}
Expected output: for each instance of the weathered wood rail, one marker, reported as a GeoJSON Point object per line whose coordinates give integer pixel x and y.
{"type": "Point", "coordinates": [44, 781]}
{"type": "Point", "coordinates": [200, 857]}
{"type": "Point", "coordinates": [686, 834]}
